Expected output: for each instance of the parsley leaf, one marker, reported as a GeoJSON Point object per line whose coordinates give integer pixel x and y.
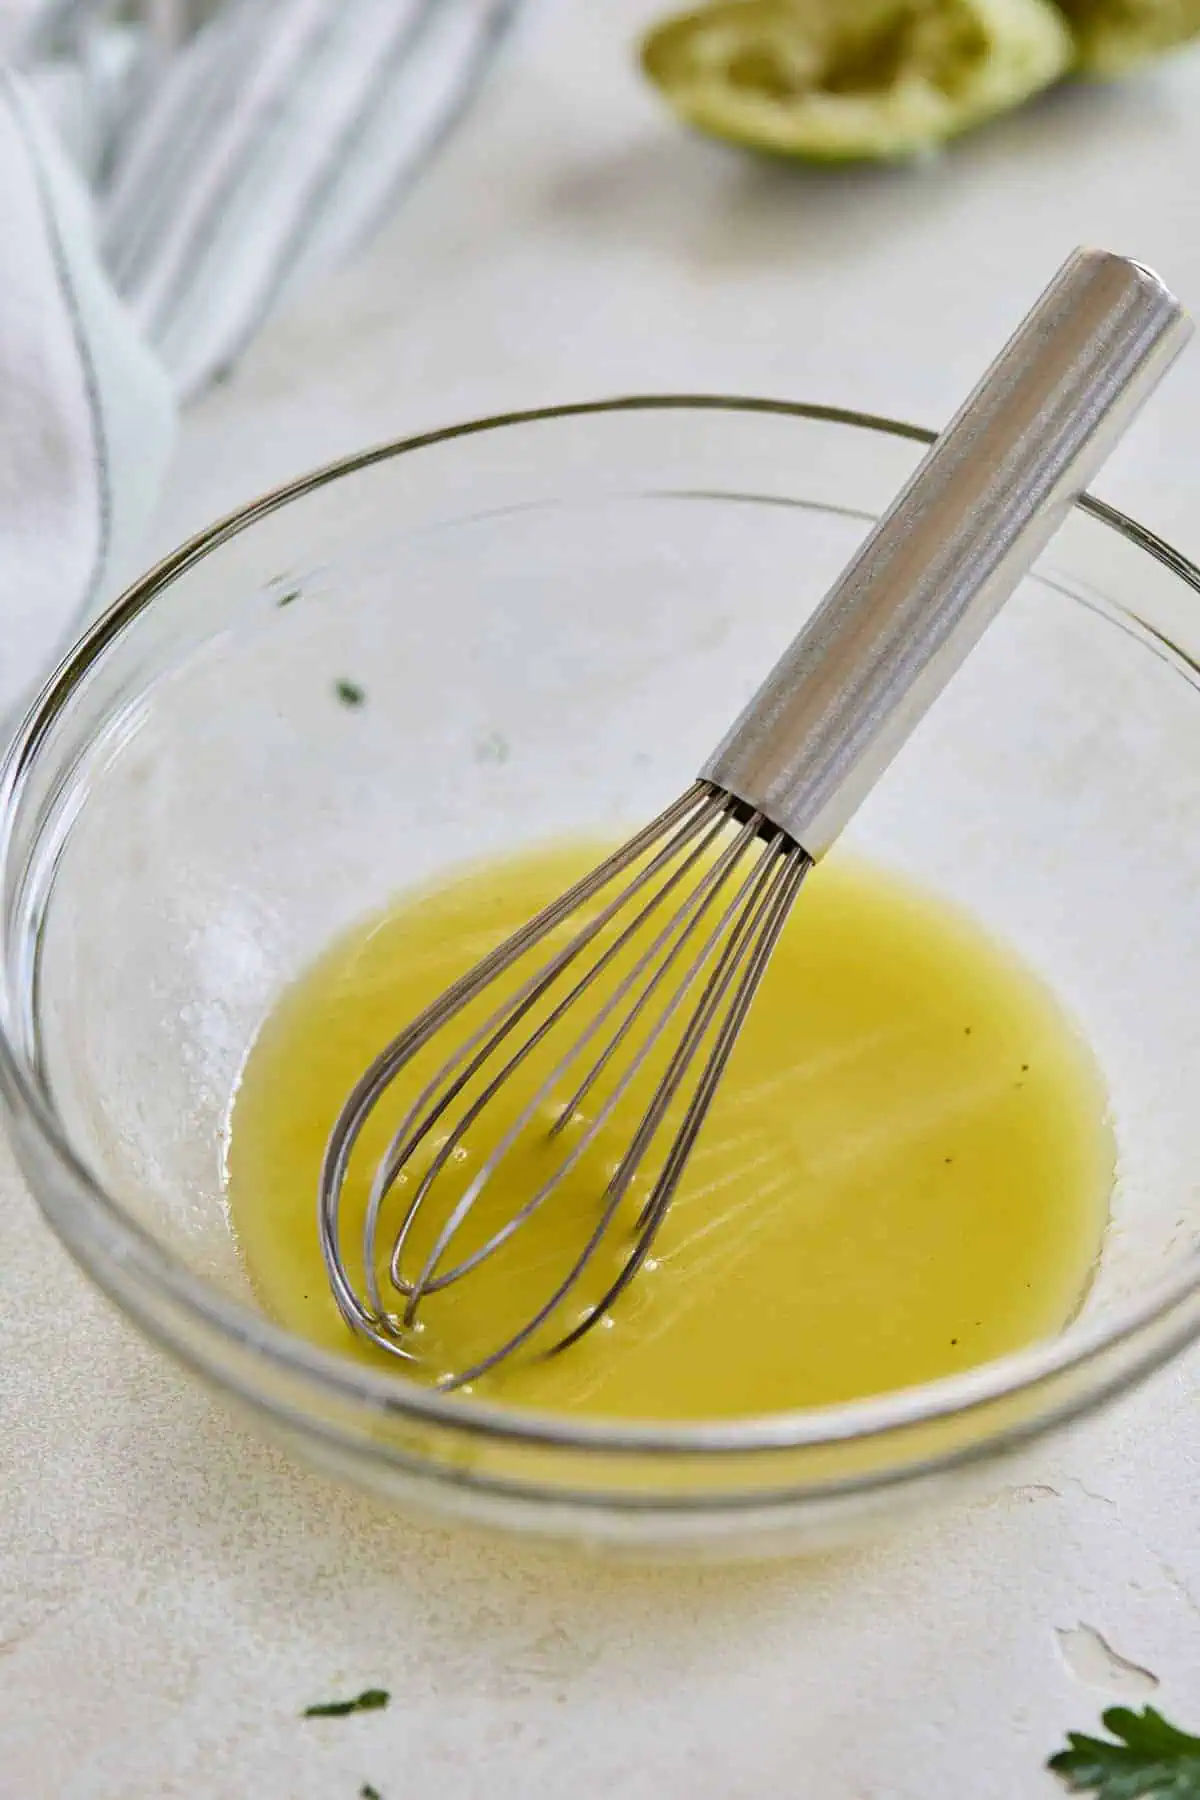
{"type": "Point", "coordinates": [370, 1700]}
{"type": "Point", "coordinates": [349, 692]}
{"type": "Point", "coordinates": [1151, 1759]}
{"type": "Point", "coordinates": [367, 1792]}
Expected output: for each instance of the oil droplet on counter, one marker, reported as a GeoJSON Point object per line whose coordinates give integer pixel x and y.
{"type": "Point", "coordinates": [1091, 1659]}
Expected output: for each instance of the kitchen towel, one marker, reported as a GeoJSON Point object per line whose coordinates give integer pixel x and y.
{"type": "Point", "coordinates": [86, 410]}
{"type": "Point", "coordinates": [172, 170]}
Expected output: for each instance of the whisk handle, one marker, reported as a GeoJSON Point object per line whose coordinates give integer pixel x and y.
{"type": "Point", "coordinates": [967, 527]}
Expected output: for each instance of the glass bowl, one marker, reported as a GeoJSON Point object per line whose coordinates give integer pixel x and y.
{"type": "Point", "coordinates": [551, 617]}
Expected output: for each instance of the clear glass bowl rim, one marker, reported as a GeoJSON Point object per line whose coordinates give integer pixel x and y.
{"type": "Point", "coordinates": [102, 1233]}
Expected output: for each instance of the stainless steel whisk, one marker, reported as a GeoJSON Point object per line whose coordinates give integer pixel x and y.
{"type": "Point", "coordinates": [695, 902]}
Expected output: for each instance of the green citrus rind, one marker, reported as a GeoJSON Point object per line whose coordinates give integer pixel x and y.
{"type": "Point", "coordinates": [854, 80]}
{"type": "Point", "coordinates": [1114, 36]}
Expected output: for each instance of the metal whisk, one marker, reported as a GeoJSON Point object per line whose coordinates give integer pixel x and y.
{"type": "Point", "coordinates": [651, 962]}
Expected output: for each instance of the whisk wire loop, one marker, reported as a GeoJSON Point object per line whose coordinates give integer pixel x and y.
{"type": "Point", "coordinates": [694, 807]}
{"type": "Point", "coordinates": [731, 878]}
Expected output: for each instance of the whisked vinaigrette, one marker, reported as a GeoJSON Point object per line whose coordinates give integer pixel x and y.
{"type": "Point", "coordinates": [905, 1172]}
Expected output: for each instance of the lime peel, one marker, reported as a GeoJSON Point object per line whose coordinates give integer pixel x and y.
{"type": "Point", "coordinates": [1114, 36]}
{"type": "Point", "coordinates": [849, 80]}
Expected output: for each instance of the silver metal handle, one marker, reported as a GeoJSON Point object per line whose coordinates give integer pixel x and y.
{"type": "Point", "coordinates": [934, 572]}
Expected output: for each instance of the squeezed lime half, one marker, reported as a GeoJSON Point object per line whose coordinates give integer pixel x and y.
{"type": "Point", "coordinates": [1114, 36]}
{"type": "Point", "coordinates": [849, 80]}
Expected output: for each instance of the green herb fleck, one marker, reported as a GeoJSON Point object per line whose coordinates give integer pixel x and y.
{"type": "Point", "coordinates": [494, 748]}
{"type": "Point", "coordinates": [367, 1792]}
{"type": "Point", "coordinates": [349, 692]}
{"type": "Point", "coordinates": [287, 598]}
{"type": "Point", "coordinates": [1151, 1760]}
{"type": "Point", "coordinates": [370, 1700]}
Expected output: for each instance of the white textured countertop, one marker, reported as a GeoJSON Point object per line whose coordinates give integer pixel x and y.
{"type": "Point", "coordinates": [172, 1592]}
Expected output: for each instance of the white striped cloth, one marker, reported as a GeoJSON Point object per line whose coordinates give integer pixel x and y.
{"type": "Point", "coordinates": [172, 169]}
{"type": "Point", "coordinates": [86, 411]}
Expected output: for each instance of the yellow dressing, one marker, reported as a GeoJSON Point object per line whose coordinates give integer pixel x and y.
{"type": "Point", "coordinates": [906, 1170]}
